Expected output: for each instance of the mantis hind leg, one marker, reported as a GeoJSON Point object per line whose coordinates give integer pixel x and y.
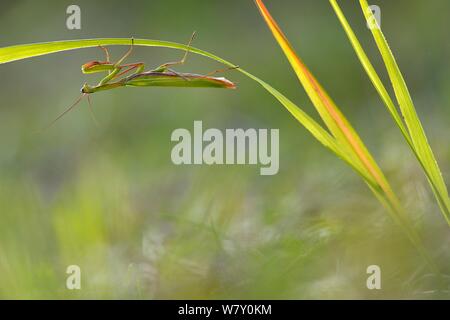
{"type": "Point", "coordinates": [117, 66]}
{"type": "Point", "coordinates": [119, 62]}
{"type": "Point", "coordinates": [221, 70]}
{"type": "Point", "coordinates": [165, 66]}
{"type": "Point", "coordinates": [178, 74]}
{"type": "Point", "coordinates": [106, 52]}
{"type": "Point", "coordinates": [129, 67]}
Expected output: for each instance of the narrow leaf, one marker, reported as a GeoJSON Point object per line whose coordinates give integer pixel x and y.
{"type": "Point", "coordinates": [14, 53]}
{"type": "Point", "coordinates": [345, 134]}
{"type": "Point", "coordinates": [415, 128]}
{"type": "Point", "coordinates": [370, 70]}
{"type": "Point", "coordinates": [330, 113]}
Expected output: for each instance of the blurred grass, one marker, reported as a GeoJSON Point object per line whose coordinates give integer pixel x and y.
{"type": "Point", "coordinates": [154, 230]}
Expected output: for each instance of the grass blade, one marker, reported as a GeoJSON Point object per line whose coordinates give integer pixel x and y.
{"type": "Point", "coordinates": [330, 113]}
{"type": "Point", "coordinates": [344, 133]}
{"type": "Point", "coordinates": [20, 52]}
{"type": "Point", "coordinates": [416, 132]}
{"type": "Point", "coordinates": [370, 70]}
{"type": "Point", "coordinates": [15, 53]}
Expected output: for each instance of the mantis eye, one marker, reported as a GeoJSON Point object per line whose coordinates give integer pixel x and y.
{"type": "Point", "coordinates": [85, 88]}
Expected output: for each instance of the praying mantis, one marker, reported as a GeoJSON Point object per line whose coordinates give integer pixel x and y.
{"type": "Point", "coordinates": [119, 75]}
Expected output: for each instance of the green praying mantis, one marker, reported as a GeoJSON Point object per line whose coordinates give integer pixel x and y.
{"type": "Point", "coordinates": [133, 75]}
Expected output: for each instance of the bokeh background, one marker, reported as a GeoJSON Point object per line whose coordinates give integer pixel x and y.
{"type": "Point", "coordinates": [109, 199]}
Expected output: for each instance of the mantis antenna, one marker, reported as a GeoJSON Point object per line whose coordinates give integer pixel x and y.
{"type": "Point", "coordinates": [65, 112]}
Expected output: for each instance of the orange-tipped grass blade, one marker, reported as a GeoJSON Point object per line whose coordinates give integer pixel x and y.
{"type": "Point", "coordinates": [332, 116]}
{"type": "Point", "coordinates": [344, 133]}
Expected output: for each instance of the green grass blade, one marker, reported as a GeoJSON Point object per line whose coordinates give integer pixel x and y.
{"type": "Point", "coordinates": [332, 116]}
{"type": "Point", "coordinates": [20, 52]}
{"type": "Point", "coordinates": [344, 133]}
{"type": "Point", "coordinates": [415, 128]}
{"type": "Point", "coordinates": [327, 109]}
{"type": "Point", "coordinates": [370, 70]}
{"type": "Point", "coordinates": [14, 53]}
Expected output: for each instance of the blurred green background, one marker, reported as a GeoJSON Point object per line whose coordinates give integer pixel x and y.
{"type": "Point", "coordinates": [109, 199]}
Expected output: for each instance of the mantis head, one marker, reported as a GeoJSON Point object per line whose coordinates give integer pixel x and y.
{"type": "Point", "coordinates": [86, 89]}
